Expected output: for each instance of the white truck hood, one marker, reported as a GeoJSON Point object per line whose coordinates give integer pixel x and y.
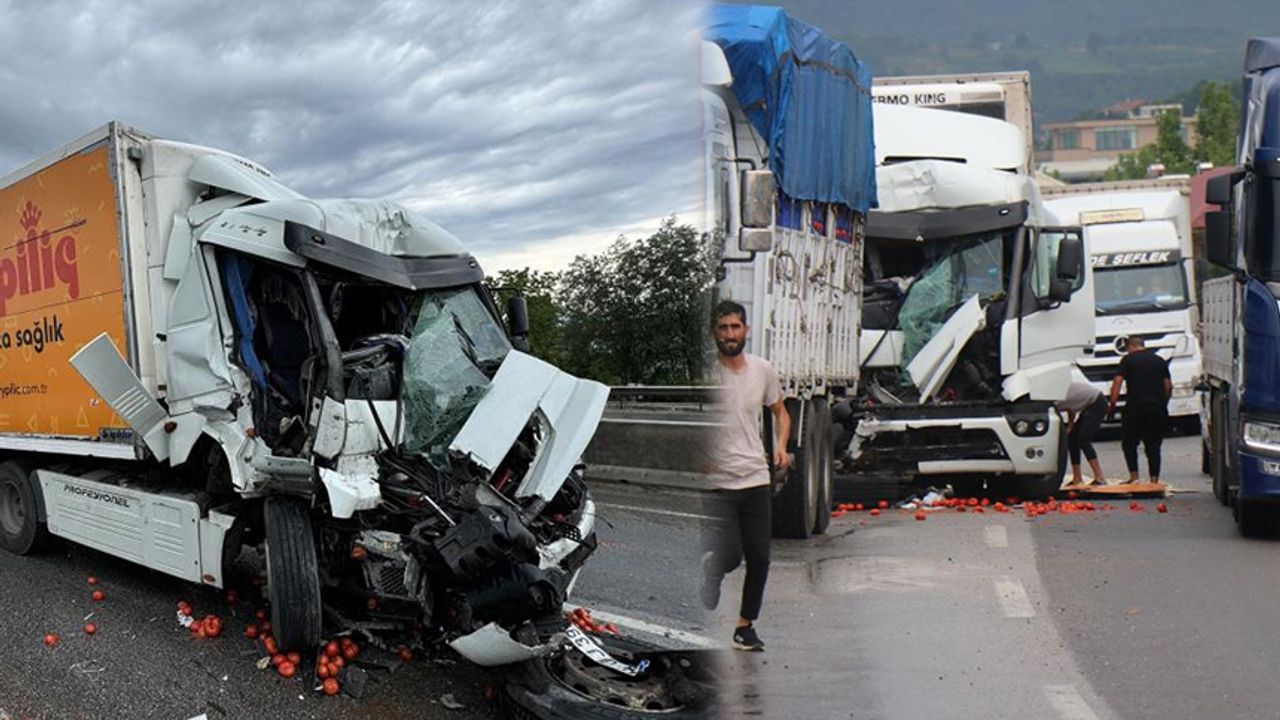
{"type": "Point", "coordinates": [931, 366]}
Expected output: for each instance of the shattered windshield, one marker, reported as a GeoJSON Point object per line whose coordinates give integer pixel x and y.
{"type": "Point", "coordinates": [972, 266]}
{"type": "Point", "coordinates": [455, 346]}
{"type": "Point", "coordinates": [1138, 289]}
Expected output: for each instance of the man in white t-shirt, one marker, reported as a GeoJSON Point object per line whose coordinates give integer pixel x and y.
{"type": "Point", "coordinates": [743, 496]}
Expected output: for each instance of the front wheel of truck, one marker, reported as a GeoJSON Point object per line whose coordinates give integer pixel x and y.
{"type": "Point", "coordinates": [292, 573]}
{"type": "Point", "coordinates": [21, 531]}
{"type": "Point", "coordinates": [794, 506]}
{"type": "Point", "coordinates": [1254, 519]}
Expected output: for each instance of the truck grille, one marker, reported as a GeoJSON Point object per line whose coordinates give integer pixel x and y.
{"type": "Point", "coordinates": [925, 444]}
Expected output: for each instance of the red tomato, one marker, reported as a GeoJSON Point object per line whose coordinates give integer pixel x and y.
{"type": "Point", "coordinates": [269, 644]}
{"type": "Point", "coordinates": [51, 639]}
{"type": "Point", "coordinates": [251, 632]}
{"type": "Point", "coordinates": [358, 553]}
{"type": "Point", "coordinates": [98, 596]}
{"type": "Point", "coordinates": [90, 628]}
{"type": "Point", "coordinates": [287, 669]}
{"type": "Point", "coordinates": [278, 659]}
{"type": "Point", "coordinates": [962, 508]}
{"type": "Point", "coordinates": [260, 614]}
{"type": "Point", "coordinates": [331, 687]}
{"type": "Point", "coordinates": [1162, 508]}
{"type": "Point", "coordinates": [921, 515]}
{"type": "Point", "coordinates": [338, 663]}
{"type": "Point", "coordinates": [985, 502]}
{"type": "Point", "coordinates": [858, 507]}
{"type": "Point", "coordinates": [184, 607]}
{"type": "Point", "coordinates": [875, 512]}
{"type": "Point", "coordinates": [294, 657]}
{"type": "Point", "coordinates": [350, 651]}
{"type": "Point", "coordinates": [883, 504]}
{"type": "Point", "coordinates": [322, 671]}
{"type": "Point", "coordinates": [331, 649]}
{"type": "Point", "coordinates": [404, 653]}
{"type": "Point", "coordinates": [212, 626]}
{"type": "Point", "coordinates": [93, 580]}
{"type": "Point", "coordinates": [1072, 495]}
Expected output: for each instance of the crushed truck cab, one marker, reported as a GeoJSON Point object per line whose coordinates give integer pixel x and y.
{"type": "Point", "coordinates": [327, 377]}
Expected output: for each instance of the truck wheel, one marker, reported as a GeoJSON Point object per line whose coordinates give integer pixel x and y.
{"type": "Point", "coordinates": [795, 505]}
{"type": "Point", "coordinates": [823, 445]}
{"type": "Point", "coordinates": [1254, 519]}
{"type": "Point", "coordinates": [1218, 455]}
{"type": "Point", "coordinates": [1206, 462]}
{"type": "Point", "coordinates": [21, 531]}
{"type": "Point", "coordinates": [292, 573]}
{"type": "Point", "coordinates": [566, 686]}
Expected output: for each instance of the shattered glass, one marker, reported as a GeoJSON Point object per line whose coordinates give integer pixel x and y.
{"type": "Point", "coordinates": [971, 267]}
{"type": "Point", "coordinates": [455, 340]}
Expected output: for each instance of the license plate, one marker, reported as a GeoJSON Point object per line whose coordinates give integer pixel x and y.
{"type": "Point", "coordinates": [592, 649]}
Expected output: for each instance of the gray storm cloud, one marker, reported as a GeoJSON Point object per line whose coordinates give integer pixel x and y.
{"type": "Point", "coordinates": [522, 127]}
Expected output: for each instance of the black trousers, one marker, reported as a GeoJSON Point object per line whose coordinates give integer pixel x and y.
{"type": "Point", "coordinates": [742, 531]}
{"type": "Point", "coordinates": [1085, 431]}
{"type": "Point", "coordinates": [1146, 424]}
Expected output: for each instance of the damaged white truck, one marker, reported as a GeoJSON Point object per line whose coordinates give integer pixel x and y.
{"type": "Point", "coordinates": [197, 358]}
{"type": "Point", "coordinates": [976, 304]}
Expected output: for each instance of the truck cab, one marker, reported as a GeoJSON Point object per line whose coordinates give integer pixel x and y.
{"type": "Point", "coordinates": [1143, 285]}
{"type": "Point", "coordinates": [975, 305]}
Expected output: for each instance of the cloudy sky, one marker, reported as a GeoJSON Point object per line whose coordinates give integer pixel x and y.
{"type": "Point", "coordinates": [533, 130]}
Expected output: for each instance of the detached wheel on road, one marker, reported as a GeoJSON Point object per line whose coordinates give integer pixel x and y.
{"type": "Point", "coordinates": [568, 686]}
{"type": "Point", "coordinates": [21, 531]}
{"type": "Point", "coordinates": [292, 574]}
{"type": "Point", "coordinates": [795, 505]}
{"type": "Point", "coordinates": [824, 446]}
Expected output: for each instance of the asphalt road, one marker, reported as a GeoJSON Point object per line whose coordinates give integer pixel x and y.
{"type": "Point", "coordinates": [141, 664]}
{"type": "Point", "coordinates": [1112, 614]}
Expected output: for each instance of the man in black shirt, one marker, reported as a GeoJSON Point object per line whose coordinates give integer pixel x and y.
{"type": "Point", "coordinates": [1146, 411]}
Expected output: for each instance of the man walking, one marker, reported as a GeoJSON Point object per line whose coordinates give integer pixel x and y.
{"type": "Point", "coordinates": [1145, 376]}
{"type": "Point", "coordinates": [743, 495]}
{"type": "Point", "coordinates": [1085, 406]}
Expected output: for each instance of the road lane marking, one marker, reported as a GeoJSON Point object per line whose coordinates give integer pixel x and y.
{"type": "Point", "coordinates": [655, 511]}
{"type": "Point", "coordinates": [1068, 702]}
{"type": "Point", "coordinates": [650, 628]}
{"type": "Point", "coordinates": [1013, 598]}
{"type": "Point", "coordinates": [996, 536]}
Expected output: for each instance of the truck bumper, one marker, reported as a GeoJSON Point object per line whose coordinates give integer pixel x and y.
{"type": "Point", "coordinates": [1259, 477]}
{"type": "Point", "coordinates": [956, 441]}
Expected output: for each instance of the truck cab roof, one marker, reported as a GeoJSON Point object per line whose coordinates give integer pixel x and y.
{"type": "Point", "coordinates": [904, 134]}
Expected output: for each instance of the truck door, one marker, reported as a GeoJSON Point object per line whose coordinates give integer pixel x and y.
{"type": "Point", "coordinates": [1055, 312]}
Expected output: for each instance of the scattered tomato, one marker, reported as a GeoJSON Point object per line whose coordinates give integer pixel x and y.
{"type": "Point", "coordinates": [962, 508]}
{"type": "Point", "coordinates": [331, 649]}
{"type": "Point", "coordinates": [322, 671]}
{"type": "Point", "coordinates": [1072, 495]}
{"type": "Point", "coordinates": [279, 659]}
{"type": "Point", "coordinates": [93, 580]}
{"type": "Point", "coordinates": [251, 632]}
{"type": "Point", "coordinates": [294, 657]}
{"type": "Point", "coordinates": [358, 552]}
{"type": "Point", "coordinates": [269, 644]}
{"type": "Point", "coordinates": [51, 639]}
{"type": "Point", "coordinates": [98, 596]}
{"type": "Point", "coordinates": [404, 653]}
{"type": "Point", "coordinates": [260, 614]}
{"type": "Point", "coordinates": [331, 687]}
{"type": "Point", "coordinates": [875, 512]}
{"type": "Point", "coordinates": [184, 607]}
{"type": "Point", "coordinates": [921, 515]}
{"type": "Point", "coordinates": [338, 663]}
{"type": "Point", "coordinates": [90, 628]}
{"type": "Point", "coordinates": [265, 625]}
{"type": "Point", "coordinates": [287, 669]}
{"type": "Point", "coordinates": [350, 651]}
{"type": "Point", "coordinates": [1162, 508]}
{"type": "Point", "coordinates": [883, 504]}
{"type": "Point", "coordinates": [212, 626]}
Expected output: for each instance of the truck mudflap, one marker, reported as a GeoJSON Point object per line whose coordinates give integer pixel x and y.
{"type": "Point", "coordinates": [638, 680]}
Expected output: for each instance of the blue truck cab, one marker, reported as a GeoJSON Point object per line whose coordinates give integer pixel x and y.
{"type": "Point", "coordinates": [1241, 328]}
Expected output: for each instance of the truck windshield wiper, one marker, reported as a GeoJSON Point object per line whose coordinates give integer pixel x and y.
{"type": "Point", "coordinates": [468, 345]}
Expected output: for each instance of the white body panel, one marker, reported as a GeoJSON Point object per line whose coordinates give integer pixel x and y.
{"type": "Point", "coordinates": [1217, 330]}
{"type": "Point", "coordinates": [908, 133]}
{"type": "Point", "coordinates": [931, 366]}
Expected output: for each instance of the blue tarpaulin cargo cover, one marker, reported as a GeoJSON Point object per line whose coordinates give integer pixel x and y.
{"type": "Point", "coordinates": [808, 96]}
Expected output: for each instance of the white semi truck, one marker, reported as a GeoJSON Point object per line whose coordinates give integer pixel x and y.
{"type": "Point", "coordinates": [1144, 282]}
{"type": "Point", "coordinates": [789, 179]}
{"type": "Point", "coordinates": [197, 358]}
{"type": "Point", "coordinates": [976, 305]}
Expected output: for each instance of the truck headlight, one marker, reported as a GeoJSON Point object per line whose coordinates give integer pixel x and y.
{"type": "Point", "coordinates": [1262, 436]}
{"type": "Point", "coordinates": [1028, 425]}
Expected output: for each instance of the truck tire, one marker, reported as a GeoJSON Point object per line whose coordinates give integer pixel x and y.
{"type": "Point", "coordinates": [794, 506]}
{"type": "Point", "coordinates": [293, 576]}
{"type": "Point", "coordinates": [1254, 519]}
{"type": "Point", "coordinates": [561, 687]}
{"type": "Point", "coordinates": [824, 446]}
{"type": "Point", "coordinates": [1206, 462]}
{"type": "Point", "coordinates": [1220, 471]}
{"type": "Point", "coordinates": [21, 531]}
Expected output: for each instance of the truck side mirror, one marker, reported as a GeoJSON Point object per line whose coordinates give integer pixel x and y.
{"type": "Point", "coordinates": [757, 198]}
{"type": "Point", "coordinates": [1218, 247]}
{"type": "Point", "coordinates": [518, 322]}
{"type": "Point", "coordinates": [755, 240]}
{"type": "Point", "coordinates": [1070, 260]}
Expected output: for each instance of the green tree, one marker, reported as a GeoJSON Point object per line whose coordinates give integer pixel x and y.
{"type": "Point", "coordinates": [539, 290]}
{"type": "Point", "coordinates": [637, 313]}
{"type": "Point", "coordinates": [1216, 125]}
